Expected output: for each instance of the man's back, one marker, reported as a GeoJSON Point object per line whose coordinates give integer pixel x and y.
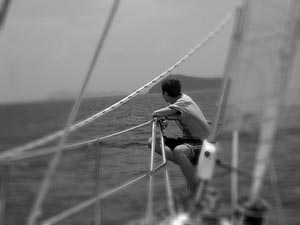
{"type": "Point", "coordinates": [191, 121]}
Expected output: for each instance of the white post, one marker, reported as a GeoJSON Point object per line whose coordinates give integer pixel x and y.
{"type": "Point", "coordinates": [150, 193]}
{"type": "Point", "coordinates": [168, 183]}
{"type": "Point", "coordinates": [4, 178]}
{"type": "Point", "coordinates": [97, 205]}
{"type": "Point", "coordinates": [234, 174]}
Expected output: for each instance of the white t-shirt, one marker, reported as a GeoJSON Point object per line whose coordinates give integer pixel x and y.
{"type": "Point", "coordinates": [191, 121]}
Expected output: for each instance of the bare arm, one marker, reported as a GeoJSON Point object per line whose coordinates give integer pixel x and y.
{"type": "Point", "coordinates": [166, 112]}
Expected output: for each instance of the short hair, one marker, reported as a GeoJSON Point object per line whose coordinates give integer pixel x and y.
{"type": "Point", "coordinates": [172, 86]}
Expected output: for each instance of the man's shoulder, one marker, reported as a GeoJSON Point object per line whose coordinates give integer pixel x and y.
{"type": "Point", "coordinates": [183, 101]}
{"type": "Point", "coordinates": [185, 98]}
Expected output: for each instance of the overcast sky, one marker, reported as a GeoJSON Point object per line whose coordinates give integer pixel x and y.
{"type": "Point", "coordinates": [46, 46]}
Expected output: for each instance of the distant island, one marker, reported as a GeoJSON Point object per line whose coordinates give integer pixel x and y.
{"type": "Point", "coordinates": [66, 95]}
{"type": "Point", "coordinates": [190, 83]}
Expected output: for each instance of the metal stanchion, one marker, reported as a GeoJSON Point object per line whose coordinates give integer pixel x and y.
{"type": "Point", "coordinates": [150, 193]}
{"type": "Point", "coordinates": [97, 188]}
{"type": "Point", "coordinates": [4, 181]}
{"type": "Point", "coordinates": [170, 199]}
{"type": "Point", "coordinates": [234, 175]}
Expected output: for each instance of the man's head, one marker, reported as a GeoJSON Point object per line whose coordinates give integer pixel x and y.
{"type": "Point", "coordinates": [171, 89]}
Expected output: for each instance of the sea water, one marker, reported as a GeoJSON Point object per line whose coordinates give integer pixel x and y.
{"type": "Point", "coordinates": [122, 158]}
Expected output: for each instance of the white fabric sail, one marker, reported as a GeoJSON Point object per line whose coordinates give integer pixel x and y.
{"type": "Point", "coordinates": [265, 50]}
{"type": "Point", "coordinates": [264, 76]}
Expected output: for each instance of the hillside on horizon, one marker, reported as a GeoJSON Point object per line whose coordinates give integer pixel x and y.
{"type": "Point", "coordinates": [190, 83]}
{"type": "Point", "coordinates": [67, 95]}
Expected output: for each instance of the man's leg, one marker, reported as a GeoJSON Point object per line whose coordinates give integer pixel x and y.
{"type": "Point", "coordinates": [169, 152]}
{"type": "Point", "coordinates": [182, 156]}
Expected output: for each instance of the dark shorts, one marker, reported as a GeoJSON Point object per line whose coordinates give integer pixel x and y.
{"type": "Point", "coordinates": [193, 144]}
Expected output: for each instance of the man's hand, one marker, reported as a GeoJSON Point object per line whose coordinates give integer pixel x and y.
{"type": "Point", "coordinates": [155, 114]}
{"type": "Point", "coordinates": [163, 123]}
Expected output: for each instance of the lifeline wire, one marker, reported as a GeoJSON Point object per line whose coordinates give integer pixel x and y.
{"type": "Point", "coordinates": [91, 201]}
{"type": "Point", "coordinates": [57, 134]}
{"type": "Point", "coordinates": [95, 199]}
{"type": "Point", "coordinates": [72, 146]}
{"type": "Point", "coordinates": [35, 213]}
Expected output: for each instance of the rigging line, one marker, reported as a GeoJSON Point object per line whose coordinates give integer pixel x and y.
{"type": "Point", "coordinates": [280, 215]}
{"type": "Point", "coordinates": [89, 202]}
{"type": "Point", "coordinates": [35, 212]}
{"type": "Point", "coordinates": [72, 146]}
{"type": "Point", "coordinates": [233, 51]}
{"type": "Point", "coordinates": [148, 85]}
{"type": "Point", "coordinates": [241, 171]}
{"type": "Point", "coordinates": [3, 11]}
